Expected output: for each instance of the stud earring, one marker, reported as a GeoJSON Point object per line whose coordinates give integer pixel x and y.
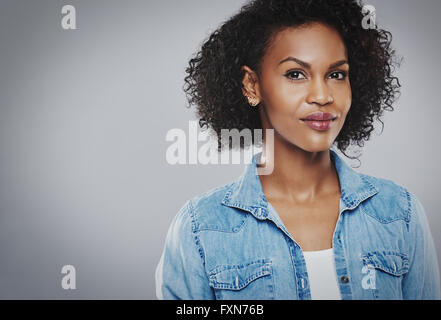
{"type": "Point", "coordinates": [252, 101]}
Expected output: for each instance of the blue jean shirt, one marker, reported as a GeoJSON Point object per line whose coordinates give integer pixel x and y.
{"type": "Point", "coordinates": [230, 243]}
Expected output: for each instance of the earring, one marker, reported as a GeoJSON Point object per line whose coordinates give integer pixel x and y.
{"type": "Point", "coordinates": [252, 101]}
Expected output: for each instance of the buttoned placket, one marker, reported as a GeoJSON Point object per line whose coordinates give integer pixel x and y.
{"type": "Point", "coordinates": [341, 267]}
{"type": "Point", "coordinates": [338, 244]}
{"type": "Point", "coordinates": [299, 263]}
{"type": "Point", "coordinates": [296, 254]}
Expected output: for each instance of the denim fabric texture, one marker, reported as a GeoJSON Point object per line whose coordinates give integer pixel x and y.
{"type": "Point", "coordinates": [229, 243]}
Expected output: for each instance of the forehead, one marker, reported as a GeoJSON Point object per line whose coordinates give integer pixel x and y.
{"type": "Point", "coordinates": [314, 43]}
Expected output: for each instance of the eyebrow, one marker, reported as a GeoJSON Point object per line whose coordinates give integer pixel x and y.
{"type": "Point", "coordinates": [308, 66]}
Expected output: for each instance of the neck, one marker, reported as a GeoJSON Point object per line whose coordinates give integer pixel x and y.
{"type": "Point", "coordinates": [298, 175]}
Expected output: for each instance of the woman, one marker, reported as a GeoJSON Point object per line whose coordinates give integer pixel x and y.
{"type": "Point", "coordinates": [314, 228]}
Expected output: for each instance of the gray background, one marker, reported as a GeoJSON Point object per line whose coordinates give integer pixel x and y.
{"type": "Point", "coordinates": [83, 119]}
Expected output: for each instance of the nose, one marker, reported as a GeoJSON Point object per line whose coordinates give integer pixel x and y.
{"type": "Point", "coordinates": [319, 93]}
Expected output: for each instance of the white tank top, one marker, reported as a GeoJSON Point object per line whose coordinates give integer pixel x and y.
{"type": "Point", "coordinates": [322, 276]}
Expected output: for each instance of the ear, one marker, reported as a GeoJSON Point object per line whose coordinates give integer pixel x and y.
{"type": "Point", "coordinates": [250, 83]}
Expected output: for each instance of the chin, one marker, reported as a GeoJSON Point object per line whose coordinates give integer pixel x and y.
{"type": "Point", "coordinates": [310, 142]}
{"type": "Point", "coordinates": [315, 146]}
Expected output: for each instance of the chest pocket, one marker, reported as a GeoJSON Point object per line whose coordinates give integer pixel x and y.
{"type": "Point", "coordinates": [253, 281]}
{"type": "Point", "coordinates": [384, 271]}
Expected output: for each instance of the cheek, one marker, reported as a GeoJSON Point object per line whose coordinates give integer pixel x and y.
{"type": "Point", "coordinates": [343, 99]}
{"type": "Point", "coordinates": [348, 102]}
{"type": "Point", "coordinates": [282, 98]}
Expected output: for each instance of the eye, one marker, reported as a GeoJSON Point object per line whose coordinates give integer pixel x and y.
{"type": "Point", "coordinates": [340, 75]}
{"type": "Point", "coordinates": [295, 75]}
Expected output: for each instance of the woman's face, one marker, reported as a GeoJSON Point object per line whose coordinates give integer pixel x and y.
{"type": "Point", "coordinates": [304, 71]}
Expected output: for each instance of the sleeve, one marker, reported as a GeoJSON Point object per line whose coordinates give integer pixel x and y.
{"type": "Point", "coordinates": [180, 273]}
{"type": "Point", "coordinates": [422, 281]}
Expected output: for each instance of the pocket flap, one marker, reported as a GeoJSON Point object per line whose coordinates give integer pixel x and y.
{"type": "Point", "coordinates": [236, 277]}
{"type": "Point", "coordinates": [395, 263]}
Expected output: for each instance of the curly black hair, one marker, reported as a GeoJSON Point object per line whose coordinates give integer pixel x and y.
{"type": "Point", "coordinates": [214, 77]}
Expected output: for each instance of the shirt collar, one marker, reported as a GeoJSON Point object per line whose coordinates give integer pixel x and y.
{"type": "Point", "coordinates": [246, 192]}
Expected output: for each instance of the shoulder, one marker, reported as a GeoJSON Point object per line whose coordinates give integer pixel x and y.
{"type": "Point", "coordinates": [396, 202]}
{"type": "Point", "coordinates": [392, 200]}
{"type": "Point", "coordinates": [206, 211]}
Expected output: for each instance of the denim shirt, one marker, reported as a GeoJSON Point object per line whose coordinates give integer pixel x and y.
{"type": "Point", "coordinates": [230, 243]}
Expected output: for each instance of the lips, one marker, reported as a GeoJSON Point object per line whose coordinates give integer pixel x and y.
{"type": "Point", "coordinates": [320, 121]}
{"type": "Point", "coordinates": [319, 116]}
{"type": "Point", "coordinates": [320, 125]}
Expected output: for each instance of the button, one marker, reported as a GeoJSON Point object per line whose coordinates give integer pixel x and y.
{"type": "Point", "coordinates": [344, 279]}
